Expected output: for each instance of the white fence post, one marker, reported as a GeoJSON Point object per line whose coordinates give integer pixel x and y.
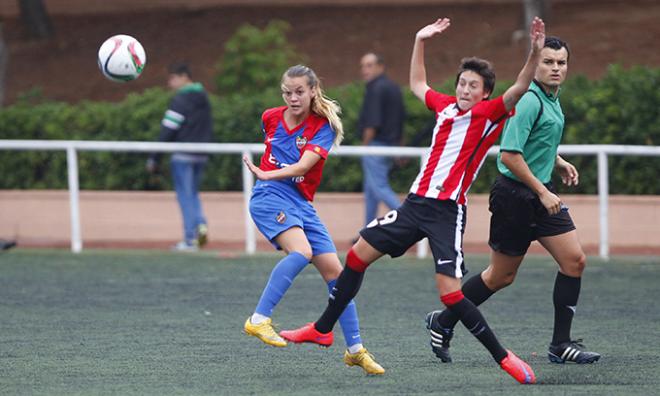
{"type": "Point", "coordinates": [74, 203]}
{"type": "Point", "coordinates": [603, 195]}
{"type": "Point", "coordinates": [248, 183]}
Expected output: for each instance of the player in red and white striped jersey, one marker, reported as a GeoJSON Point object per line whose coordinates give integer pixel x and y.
{"type": "Point", "coordinates": [461, 139]}
{"type": "Point", "coordinates": [467, 125]}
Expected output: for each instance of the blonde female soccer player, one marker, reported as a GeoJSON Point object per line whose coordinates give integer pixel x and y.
{"type": "Point", "coordinates": [298, 138]}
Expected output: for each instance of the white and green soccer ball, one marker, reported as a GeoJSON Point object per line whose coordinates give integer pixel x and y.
{"type": "Point", "coordinates": [122, 58]}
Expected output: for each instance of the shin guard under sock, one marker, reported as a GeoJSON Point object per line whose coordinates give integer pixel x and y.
{"type": "Point", "coordinates": [348, 320]}
{"type": "Point", "coordinates": [280, 279]}
{"type": "Point", "coordinates": [348, 285]}
{"type": "Point", "coordinates": [475, 290]}
{"type": "Point", "coordinates": [565, 297]}
{"type": "Point", "coordinates": [471, 318]}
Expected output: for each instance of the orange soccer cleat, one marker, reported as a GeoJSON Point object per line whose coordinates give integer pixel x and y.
{"type": "Point", "coordinates": [518, 369]}
{"type": "Point", "coordinates": [308, 333]}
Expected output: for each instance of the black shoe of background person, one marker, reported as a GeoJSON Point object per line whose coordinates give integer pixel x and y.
{"type": "Point", "coordinates": [6, 245]}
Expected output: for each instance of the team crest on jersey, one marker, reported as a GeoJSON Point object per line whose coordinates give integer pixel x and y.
{"type": "Point", "coordinates": [301, 141]}
{"type": "Point", "coordinates": [281, 217]}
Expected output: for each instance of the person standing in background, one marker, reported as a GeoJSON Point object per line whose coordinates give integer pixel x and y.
{"type": "Point", "coordinates": [381, 124]}
{"type": "Point", "coordinates": [187, 119]}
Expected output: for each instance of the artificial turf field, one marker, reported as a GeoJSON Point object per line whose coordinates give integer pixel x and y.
{"type": "Point", "coordinates": [109, 322]}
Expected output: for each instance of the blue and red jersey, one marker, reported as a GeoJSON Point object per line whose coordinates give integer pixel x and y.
{"type": "Point", "coordinates": [286, 146]}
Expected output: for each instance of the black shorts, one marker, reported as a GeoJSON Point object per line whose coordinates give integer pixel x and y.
{"type": "Point", "coordinates": [441, 221]}
{"type": "Point", "coordinates": [518, 217]}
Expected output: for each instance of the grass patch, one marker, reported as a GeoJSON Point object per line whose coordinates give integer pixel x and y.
{"type": "Point", "coordinates": [109, 322]}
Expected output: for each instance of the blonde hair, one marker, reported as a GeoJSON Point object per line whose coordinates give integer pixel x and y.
{"type": "Point", "coordinates": [321, 104]}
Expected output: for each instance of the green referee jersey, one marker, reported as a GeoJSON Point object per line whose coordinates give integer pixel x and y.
{"type": "Point", "coordinates": [537, 142]}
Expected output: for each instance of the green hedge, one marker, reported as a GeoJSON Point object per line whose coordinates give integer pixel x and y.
{"type": "Point", "coordinates": [254, 59]}
{"type": "Point", "coordinates": [620, 108]}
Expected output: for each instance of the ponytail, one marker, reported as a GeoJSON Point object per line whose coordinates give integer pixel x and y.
{"type": "Point", "coordinates": [321, 104]}
{"type": "Point", "coordinates": [330, 109]}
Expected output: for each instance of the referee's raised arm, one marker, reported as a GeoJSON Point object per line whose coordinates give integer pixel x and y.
{"type": "Point", "coordinates": [518, 89]}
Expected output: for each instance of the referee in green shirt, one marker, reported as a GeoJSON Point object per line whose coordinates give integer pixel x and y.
{"type": "Point", "coordinates": [525, 207]}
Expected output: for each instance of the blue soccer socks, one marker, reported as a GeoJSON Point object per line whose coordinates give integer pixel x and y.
{"type": "Point", "coordinates": [280, 280]}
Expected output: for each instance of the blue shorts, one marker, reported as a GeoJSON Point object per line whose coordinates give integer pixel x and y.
{"type": "Point", "coordinates": [273, 213]}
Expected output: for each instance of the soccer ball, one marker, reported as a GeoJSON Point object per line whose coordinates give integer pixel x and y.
{"type": "Point", "coordinates": [121, 58]}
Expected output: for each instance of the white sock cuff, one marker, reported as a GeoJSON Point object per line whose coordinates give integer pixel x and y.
{"type": "Point", "coordinates": [355, 348]}
{"type": "Point", "coordinates": [257, 318]}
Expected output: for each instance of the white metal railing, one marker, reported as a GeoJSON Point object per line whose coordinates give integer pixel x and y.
{"type": "Point", "coordinates": [73, 146]}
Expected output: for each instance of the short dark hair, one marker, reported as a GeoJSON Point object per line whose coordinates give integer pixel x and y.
{"type": "Point", "coordinates": [179, 68]}
{"type": "Point", "coordinates": [379, 58]}
{"type": "Point", "coordinates": [556, 44]}
{"type": "Point", "coordinates": [480, 66]}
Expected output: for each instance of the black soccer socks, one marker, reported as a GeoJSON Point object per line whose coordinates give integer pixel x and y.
{"type": "Point", "coordinates": [474, 290]}
{"type": "Point", "coordinates": [565, 297]}
{"type": "Point", "coordinates": [469, 315]}
{"type": "Point", "coordinates": [348, 285]}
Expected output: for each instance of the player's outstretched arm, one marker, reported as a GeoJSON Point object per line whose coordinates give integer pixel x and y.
{"type": "Point", "coordinates": [518, 89]}
{"type": "Point", "coordinates": [418, 82]}
{"type": "Point", "coordinates": [307, 161]}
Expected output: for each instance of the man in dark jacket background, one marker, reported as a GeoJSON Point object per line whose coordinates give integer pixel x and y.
{"type": "Point", "coordinates": [381, 124]}
{"type": "Point", "coordinates": [187, 119]}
